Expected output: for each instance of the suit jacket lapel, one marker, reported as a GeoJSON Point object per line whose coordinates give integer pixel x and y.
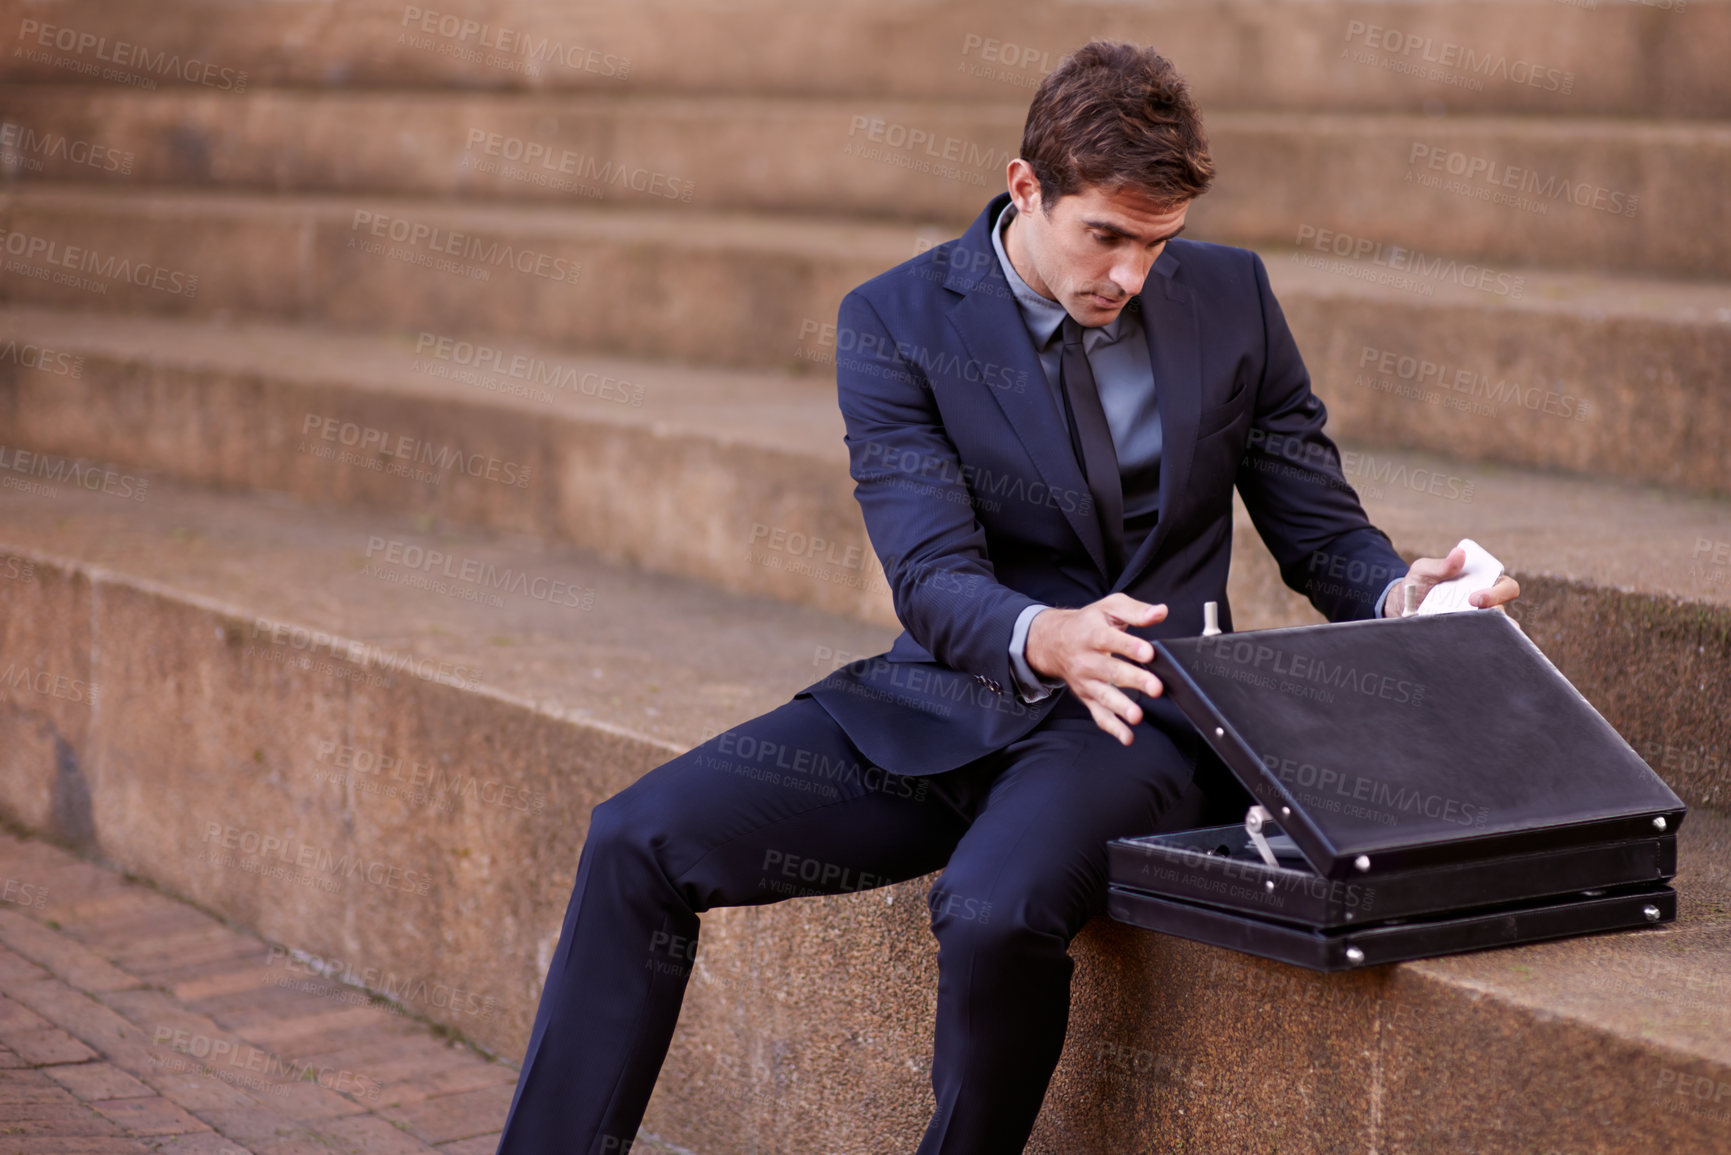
{"type": "Point", "coordinates": [1171, 325]}
{"type": "Point", "coordinates": [991, 326]}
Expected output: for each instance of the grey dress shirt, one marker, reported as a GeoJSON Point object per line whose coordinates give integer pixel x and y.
{"type": "Point", "coordinates": [1124, 375]}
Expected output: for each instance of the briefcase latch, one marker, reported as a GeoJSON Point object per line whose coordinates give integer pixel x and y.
{"type": "Point", "coordinates": [1254, 820]}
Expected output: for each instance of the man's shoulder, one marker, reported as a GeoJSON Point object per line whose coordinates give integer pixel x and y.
{"type": "Point", "coordinates": [924, 276]}
{"type": "Point", "coordinates": [1207, 267]}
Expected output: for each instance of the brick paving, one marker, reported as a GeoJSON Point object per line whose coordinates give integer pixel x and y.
{"type": "Point", "coordinates": [133, 1023]}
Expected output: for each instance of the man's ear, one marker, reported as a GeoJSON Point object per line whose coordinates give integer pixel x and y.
{"type": "Point", "coordinates": [1019, 174]}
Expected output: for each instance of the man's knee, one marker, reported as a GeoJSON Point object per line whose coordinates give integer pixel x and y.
{"type": "Point", "coordinates": [979, 925]}
{"type": "Point", "coordinates": [648, 813]}
{"type": "Point", "coordinates": [614, 826]}
{"type": "Point", "coordinates": [638, 820]}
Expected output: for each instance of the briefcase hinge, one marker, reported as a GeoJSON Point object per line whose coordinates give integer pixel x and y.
{"type": "Point", "coordinates": [1254, 820]}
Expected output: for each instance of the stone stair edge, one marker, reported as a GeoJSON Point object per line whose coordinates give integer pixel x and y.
{"type": "Point", "coordinates": [184, 345]}
{"type": "Point", "coordinates": [1668, 129]}
{"type": "Point", "coordinates": [533, 616]}
{"type": "Point", "coordinates": [471, 151]}
{"type": "Point", "coordinates": [817, 236]}
{"type": "Point", "coordinates": [481, 152]}
{"type": "Point", "coordinates": [367, 653]}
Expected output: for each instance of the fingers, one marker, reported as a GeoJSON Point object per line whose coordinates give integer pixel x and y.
{"type": "Point", "coordinates": [1109, 722]}
{"type": "Point", "coordinates": [1108, 640]}
{"type": "Point", "coordinates": [1119, 703]}
{"type": "Point", "coordinates": [1506, 589]}
{"type": "Point", "coordinates": [1423, 574]}
{"type": "Point", "coordinates": [1097, 672]}
{"type": "Point", "coordinates": [1122, 609]}
{"type": "Point", "coordinates": [1108, 672]}
{"type": "Point", "coordinates": [1122, 673]}
{"type": "Point", "coordinates": [1428, 571]}
{"type": "Point", "coordinates": [1114, 711]}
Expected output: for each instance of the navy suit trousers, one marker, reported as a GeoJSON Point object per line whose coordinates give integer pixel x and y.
{"type": "Point", "coordinates": [784, 805]}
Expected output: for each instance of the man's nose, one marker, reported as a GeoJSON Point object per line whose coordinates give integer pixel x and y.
{"type": "Point", "coordinates": [1129, 273]}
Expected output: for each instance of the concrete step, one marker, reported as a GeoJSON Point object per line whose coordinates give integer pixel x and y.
{"type": "Point", "coordinates": [1594, 195]}
{"type": "Point", "coordinates": [736, 477]}
{"type": "Point", "coordinates": [716, 288]}
{"type": "Point", "coordinates": [1582, 193]}
{"type": "Point", "coordinates": [1614, 375]}
{"type": "Point", "coordinates": [1478, 56]}
{"type": "Point", "coordinates": [254, 676]}
{"type": "Point", "coordinates": [740, 479]}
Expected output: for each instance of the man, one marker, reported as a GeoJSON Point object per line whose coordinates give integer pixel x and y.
{"type": "Point", "coordinates": [1045, 420]}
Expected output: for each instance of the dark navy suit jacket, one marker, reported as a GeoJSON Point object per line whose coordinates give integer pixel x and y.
{"type": "Point", "coordinates": [977, 506]}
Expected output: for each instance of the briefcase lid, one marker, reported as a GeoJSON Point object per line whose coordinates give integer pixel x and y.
{"type": "Point", "coordinates": [1398, 743]}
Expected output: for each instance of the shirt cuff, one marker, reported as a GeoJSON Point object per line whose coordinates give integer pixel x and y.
{"type": "Point", "coordinates": [1030, 687]}
{"type": "Point", "coordinates": [1385, 592]}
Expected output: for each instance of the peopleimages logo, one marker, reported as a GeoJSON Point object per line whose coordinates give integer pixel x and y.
{"type": "Point", "coordinates": [104, 267]}
{"type": "Point", "coordinates": [286, 637]}
{"type": "Point", "coordinates": [471, 40]}
{"type": "Point", "coordinates": [42, 359]}
{"type": "Point", "coordinates": [477, 572]}
{"type": "Point", "coordinates": [123, 54]}
{"type": "Point", "coordinates": [525, 367]}
{"type": "Point", "coordinates": [1421, 374]}
{"type": "Point", "coordinates": [23, 147]}
{"type": "Point", "coordinates": [911, 139]}
{"type": "Point", "coordinates": [375, 445]}
{"type": "Point", "coordinates": [71, 472]}
{"type": "Point", "coordinates": [405, 989]}
{"type": "Point", "coordinates": [1399, 259]}
{"type": "Point", "coordinates": [495, 147]}
{"type": "Point", "coordinates": [289, 856]}
{"type": "Point", "coordinates": [257, 1061]}
{"type": "Point", "coordinates": [1499, 175]}
{"type": "Point", "coordinates": [1446, 61]}
{"type": "Point", "coordinates": [1330, 789]}
{"type": "Point", "coordinates": [48, 683]}
{"type": "Point", "coordinates": [1229, 650]}
{"type": "Point", "coordinates": [441, 243]}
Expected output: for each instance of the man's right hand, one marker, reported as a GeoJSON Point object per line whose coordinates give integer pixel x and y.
{"type": "Point", "coordinates": [1083, 646]}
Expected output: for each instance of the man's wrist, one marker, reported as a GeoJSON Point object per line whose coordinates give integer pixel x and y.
{"type": "Point", "coordinates": [1031, 685]}
{"type": "Point", "coordinates": [1382, 603]}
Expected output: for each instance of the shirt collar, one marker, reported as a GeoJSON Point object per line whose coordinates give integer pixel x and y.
{"type": "Point", "coordinates": [1043, 315]}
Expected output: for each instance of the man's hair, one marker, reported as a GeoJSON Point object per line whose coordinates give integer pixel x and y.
{"type": "Point", "coordinates": [1116, 116]}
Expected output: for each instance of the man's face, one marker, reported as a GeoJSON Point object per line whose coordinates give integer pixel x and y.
{"type": "Point", "coordinates": [1093, 251]}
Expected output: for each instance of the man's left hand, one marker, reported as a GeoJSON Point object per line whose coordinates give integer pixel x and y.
{"type": "Point", "coordinates": [1428, 571]}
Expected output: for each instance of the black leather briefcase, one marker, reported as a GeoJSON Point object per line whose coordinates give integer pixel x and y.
{"type": "Point", "coordinates": [1424, 785]}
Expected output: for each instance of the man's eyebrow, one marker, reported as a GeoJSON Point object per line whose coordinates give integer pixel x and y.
{"type": "Point", "coordinates": [1109, 227]}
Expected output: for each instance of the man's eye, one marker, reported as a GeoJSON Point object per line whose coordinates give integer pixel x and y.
{"type": "Point", "coordinates": [1104, 238]}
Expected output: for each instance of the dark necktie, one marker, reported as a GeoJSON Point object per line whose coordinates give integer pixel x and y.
{"type": "Point", "coordinates": [1093, 439]}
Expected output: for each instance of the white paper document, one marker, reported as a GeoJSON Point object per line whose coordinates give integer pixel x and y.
{"type": "Point", "coordinates": [1481, 572]}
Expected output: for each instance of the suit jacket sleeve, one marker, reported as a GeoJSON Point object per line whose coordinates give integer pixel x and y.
{"type": "Point", "coordinates": [918, 509]}
{"type": "Point", "coordinates": [1296, 491]}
